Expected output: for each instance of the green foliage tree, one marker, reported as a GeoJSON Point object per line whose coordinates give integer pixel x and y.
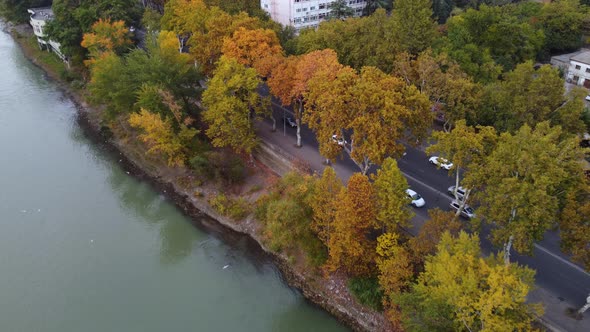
{"type": "Point", "coordinates": [16, 10]}
{"type": "Point", "coordinates": [461, 291]}
{"type": "Point", "coordinates": [390, 187]}
{"type": "Point", "coordinates": [115, 81]}
{"type": "Point", "coordinates": [363, 41]}
{"type": "Point", "coordinates": [414, 28]}
{"type": "Point", "coordinates": [373, 5]}
{"type": "Point", "coordinates": [496, 31]}
{"type": "Point", "coordinates": [529, 96]}
{"type": "Point", "coordinates": [563, 22]}
{"type": "Point", "coordinates": [287, 216]}
{"type": "Point", "coordinates": [231, 101]}
{"type": "Point", "coordinates": [442, 9]}
{"type": "Point", "coordinates": [339, 9]}
{"type": "Point", "coordinates": [73, 18]}
{"type": "Point", "coordinates": [521, 184]}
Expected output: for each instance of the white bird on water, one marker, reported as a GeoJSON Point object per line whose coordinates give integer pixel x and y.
{"type": "Point", "coordinates": [226, 266]}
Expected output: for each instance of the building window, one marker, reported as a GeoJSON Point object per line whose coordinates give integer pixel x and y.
{"type": "Point", "coordinates": [578, 67]}
{"type": "Point", "coordinates": [298, 10]}
{"type": "Point", "coordinates": [588, 69]}
{"type": "Point", "coordinates": [576, 79]}
{"type": "Point", "coordinates": [305, 9]}
{"type": "Point", "coordinates": [322, 6]}
{"type": "Point", "coordinates": [312, 8]}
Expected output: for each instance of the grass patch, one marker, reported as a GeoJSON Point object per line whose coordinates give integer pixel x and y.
{"type": "Point", "coordinates": [367, 292]}
{"type": "Point", "coordinates": [236, 209]}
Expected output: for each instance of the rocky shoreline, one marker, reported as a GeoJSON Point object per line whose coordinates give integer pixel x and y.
{"type": "Point", "coordinates": [328, 293]}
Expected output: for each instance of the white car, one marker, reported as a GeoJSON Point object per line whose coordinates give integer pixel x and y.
{"type": "Point", "coordinates": [588, 97]}
{"type": "Point", "coordinates": [467, 211]}
{"type": "Point", "coordinates": [339, 140]}
{"type": "Point", "coordinates": [460, 192]}
{"type": "Point", "coordinates": [417, 200]}
{"type": "Point", "coordinates": [441, 162]}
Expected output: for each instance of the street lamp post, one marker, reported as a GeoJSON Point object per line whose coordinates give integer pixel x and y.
{"type": "Point", "coordinates": [284, 124]}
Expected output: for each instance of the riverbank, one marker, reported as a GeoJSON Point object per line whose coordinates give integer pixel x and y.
{"type": "Point", "coordinates": [179, 185]}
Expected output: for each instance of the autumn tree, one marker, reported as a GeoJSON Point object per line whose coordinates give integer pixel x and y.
{"type": "Point", "coordinates": [460, 290]}
{"type": "Point", "coordinates": [378, 110]}
{"type": "Point", "coordinates": [395, 267]}
{"type": "Point", "coordinates": [430, 233]}
{"type": "Point", "coordinates": [414, 28]}
{"type": "Point", "coordinates": [231, 102]}
{"type": "Point", "coordinates": [390, 187]}
{"type": "Point", "coordinates": [574, 224]}
{"type": "Point", "coordinates": [443, 81]}
{"type": "Point", "coordinates": [183, 17]}
{"type": "Point", "coordinates": [106, 36]}
{"type": "Point", "coordinates": [349, 246]}
{"type": "Point", "coordinates": [521, 184]}
{"type": "Point", "coordinates": [251, 47]}
{"type": "Point", "coordinates": [324, 204]}
{"type": "Point", "coordinates": [289, 80]}
{"type": "Point", "coordinates": [160, 137]}
{"type": "Point", "coordinates": [73, 18]}
{"type": "Point", "coordinates": [465, 146]}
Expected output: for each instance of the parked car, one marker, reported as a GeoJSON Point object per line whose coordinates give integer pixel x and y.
{"type": "Point", "coordinates": [467, 211]}
{"type": "Point", "coordinates": [417, 200]}
{"type": "Point", "coordinates": [339, 140]}
{"type": "Point", "coordinates": [290, 122]}
{"type": "Point", "coordinates": [441, 162]}
{"type": "Point", "coordinates": [460, 192]}
{"type": "Point", "coordinates": [588, 97]}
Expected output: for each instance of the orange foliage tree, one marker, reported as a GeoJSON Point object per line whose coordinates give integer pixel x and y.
{"type": "Point", "coordinates": [251, 47]}
{"type": "Point", "coordinates": [106, 36]}
{"type": "Point", "coordinates": [289, 80]}
{"type": "Point", "coordinates": [349, 245]}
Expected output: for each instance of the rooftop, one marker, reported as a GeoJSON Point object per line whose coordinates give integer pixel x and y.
{"type": "Point", "coordinates": [42, 14]}
{"type": "Point", "coordinates": [583, 57]}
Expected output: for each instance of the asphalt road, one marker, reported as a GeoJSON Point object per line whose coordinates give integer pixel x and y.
{"type": "Point", "coordinates": [556, 274]}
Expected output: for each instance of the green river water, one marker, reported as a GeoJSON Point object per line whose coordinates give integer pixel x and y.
{"type": "Point", "coordinates": [86, 247]}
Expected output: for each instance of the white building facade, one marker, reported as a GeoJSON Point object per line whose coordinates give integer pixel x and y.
{"type": "Point", "coordinates": [302, 14]}
{"type": "Point", "coordinates": [579, 69]}
{"type": "Point", "coordinates": [39, 18]}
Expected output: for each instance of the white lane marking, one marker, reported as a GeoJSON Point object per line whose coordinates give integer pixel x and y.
{"type": "Point", "coordinates": [538, 246]}
{"type": "Point", "coordinates": [565, 261]}
{"type": "Point", "coordinates": [450, 200]}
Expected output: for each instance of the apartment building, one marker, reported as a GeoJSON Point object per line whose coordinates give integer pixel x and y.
{"type": "Point", "coordinates": [303, 14]}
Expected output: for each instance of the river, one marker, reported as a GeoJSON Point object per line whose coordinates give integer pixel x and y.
{"type": "Point", "coordinates": [86, 247]}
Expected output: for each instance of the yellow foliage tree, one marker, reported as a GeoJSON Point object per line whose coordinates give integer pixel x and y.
{"type": "Point", "coordinates": [161, 138]}
{"type": "Point", "coordinates": [324, 203]}
{"type": "Point", "coordinates": [349, 246]}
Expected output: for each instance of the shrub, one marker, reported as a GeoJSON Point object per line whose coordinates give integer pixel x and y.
{"type": "Point", "coordinates": [367, 291]}
{"type": "Point", "coordinates": [235, 209]}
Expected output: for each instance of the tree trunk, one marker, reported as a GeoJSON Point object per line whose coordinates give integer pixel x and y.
{"type": "Point", "coordinates": [274, 123]}
{"type": "Point", "coordinates": [298, 121]}
{"type": "Point", "coordinates": [507, 247]}
{"type": "Point", "coordinates": [457, 184]}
